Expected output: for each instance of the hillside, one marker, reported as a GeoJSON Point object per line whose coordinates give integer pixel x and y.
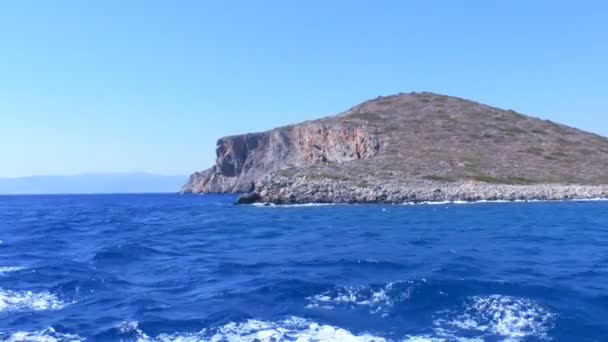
{"type": "Point", "coordinates": [415, 139]}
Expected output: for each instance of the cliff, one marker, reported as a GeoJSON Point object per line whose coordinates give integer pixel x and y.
{"type": "Point", "coordinates": [243, 160]}
{"type": "Point", "coordinates": [418, 143]}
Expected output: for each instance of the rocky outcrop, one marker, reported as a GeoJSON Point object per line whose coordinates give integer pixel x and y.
{"type": "Point", "coordinates": [243, 160]}
{"type": "Point", "coordinates": [406, 147]}
{"type": "Point", "coordinates": [283, 190]}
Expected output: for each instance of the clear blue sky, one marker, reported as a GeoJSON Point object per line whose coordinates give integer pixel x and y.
{"type": "Point", "coordinates": [112, 86]}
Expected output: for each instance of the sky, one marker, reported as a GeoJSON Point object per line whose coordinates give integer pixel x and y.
{"type": "Point", "coordinates": [123, 86]}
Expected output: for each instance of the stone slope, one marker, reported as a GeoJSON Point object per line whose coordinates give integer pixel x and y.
{"type": "Point", "coordinates": [406, 139]}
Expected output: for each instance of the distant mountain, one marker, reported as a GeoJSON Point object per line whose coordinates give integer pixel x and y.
{"type": "Point", "coordinates": [92, 183]}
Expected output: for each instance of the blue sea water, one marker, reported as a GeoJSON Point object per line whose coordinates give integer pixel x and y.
{"type": "Point", "coordinates": [197, 268]}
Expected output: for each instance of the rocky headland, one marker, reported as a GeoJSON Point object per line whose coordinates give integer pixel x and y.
{"type": "Point", "coordinates": [413, 147]}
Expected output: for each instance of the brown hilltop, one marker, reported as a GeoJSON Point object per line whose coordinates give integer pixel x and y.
{"type": "Point", "coordinates": [415, 139]}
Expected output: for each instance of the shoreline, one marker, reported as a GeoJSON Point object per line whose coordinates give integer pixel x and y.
{"type": "Point", "coordinates": [284, 191]}
{"type": "Point", "coordinates": [310, 205]}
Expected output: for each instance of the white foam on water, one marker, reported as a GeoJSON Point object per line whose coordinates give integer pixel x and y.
{"type": "Point", "coordinates": [428, 338]}
{"type": "Point", "coordinates": [510, 318]}
{"type": "Point", "coordinates": [495, 317]}
{"type": "Point", "coordinates": [428, 203]}
{"type": "Point", "coordinates": [9, 269]}
{"type": "Point", "coordinates": [378, 299]}
{"type": "Point", "coordinates": [46, 335]}
{"type": "Point", "coordinates": [424, 338]}
{"type": "Point", "coordinates": [465, 202]}
{"type": "Point", "coordinates": [263, 205]}
{"type": "Point", "coordinates": [599, 199]}
{"type": "Point", "coordinates": [292, 329]}
{"type": "Point", "coordinates": [128, 326]}
{"type": "Point", "coordinates": [29, 301]}
{"type": "Point", "coordinates": [462, 202]}
{"type": "Point", "coordinates": [302, 205]}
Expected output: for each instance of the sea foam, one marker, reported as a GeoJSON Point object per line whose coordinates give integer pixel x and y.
{"type": "Point", "coordinates": [496, 316]}
{"type": "Point", "coordinates": [501, 318]}
{"type": "Point", "coordinates": [599, 199]}
{"type": "Point", "coordinates": [379, 299]}
{"type": "Point", "coordinates": [9, 269]}
{"type": "Point", "coordinates": [46, 335]}
{"type": "Point", "coordinates": [301, 205]}
{"type": "Point", "coordinates": [291, 329]}
{"type": "Point", "coordinates": [29, 301]}
{"type": "Point", "coordinates": [479, 318]}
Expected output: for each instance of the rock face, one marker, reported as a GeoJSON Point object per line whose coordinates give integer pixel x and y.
{"type": "Point", "coordinates": [243, 160]}
{"type": "Point", "coordinates": [410, 147]}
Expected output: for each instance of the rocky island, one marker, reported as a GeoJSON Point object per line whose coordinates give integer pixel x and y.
{"type": "Point", "coordinates": [410, 147]}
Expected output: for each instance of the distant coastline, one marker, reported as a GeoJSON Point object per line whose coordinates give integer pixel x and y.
{"type": "Point", "coordinates": [99, 183]}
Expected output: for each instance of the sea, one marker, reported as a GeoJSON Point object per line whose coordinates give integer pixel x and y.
{"type": "Point", "coordinates": [163, 267]}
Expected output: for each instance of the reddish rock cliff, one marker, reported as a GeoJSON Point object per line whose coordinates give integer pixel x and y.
{"type": "Point", "coordinates": [243, 160]}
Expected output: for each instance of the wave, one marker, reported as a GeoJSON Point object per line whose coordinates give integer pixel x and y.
{"type": "Point", "coordinates": [478, 319]}
{"type": "Point", "coordinates": [29, 301]}
{"type": "Point", "coordinates": [9, 269]}
{"type": "Point", "coordinates": [506, 316]}
{"type": "Point", "coordinates": [290, 329]}
{"type": "Point", "coordinates": [123, 253]}
{"type": "Point", "coordinates": [491, 317]}
{"type": "Point", "coordinates": [46, 335]}
{"type": "Point", "coordinates": [379, 299]}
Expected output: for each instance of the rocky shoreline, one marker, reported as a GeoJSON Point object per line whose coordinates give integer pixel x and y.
{"type": "Point", "coordinates": [283, 190]}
